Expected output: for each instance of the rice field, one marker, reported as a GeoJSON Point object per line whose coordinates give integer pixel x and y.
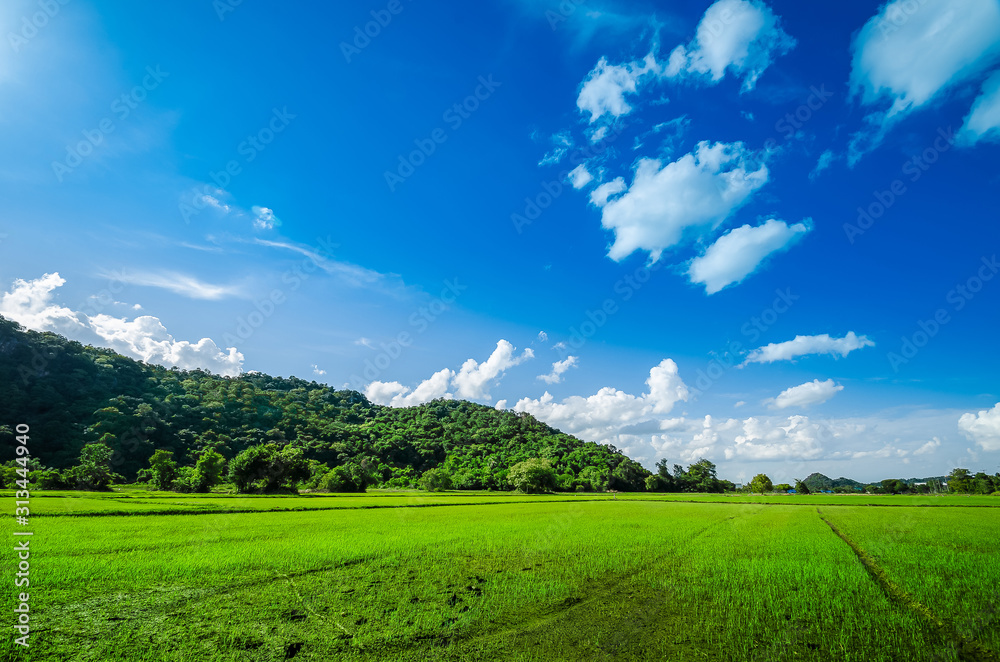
{"type": "Point", "coordinates": [505, 577]}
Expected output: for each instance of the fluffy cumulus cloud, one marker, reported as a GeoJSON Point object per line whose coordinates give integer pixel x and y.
{"type": "Point", "coordinates": [738, 253]}
{"type": "Point", "coordinates": [983, 428]}
{"type": "Point", "coordinates": [604, 89]}
{"type": "Point", "coordinates": [558, 368]}
{"type": "Point", "coordinates": [472, 381]}
{"type": "Point", "coordinates": [610, 412]}
{"type": "Point", "coordinates": [803, 395]}
{"type": "Point", "coordinates": [693, 194]}
{"type": "Point", "coordinates": [910, 52]}
{"type": "Point", "coordinates": [806, 345]}
{"type": "Point", "coordinates": [580, 176]}
{"type": "Point", "coordinates": [983, 121]}
{"type": "Point", "coordinates": [740, 36]}
{"type": "Point", "coordinates": [395, 394]}
{"type": "Point", "coordinates": [30, 303]}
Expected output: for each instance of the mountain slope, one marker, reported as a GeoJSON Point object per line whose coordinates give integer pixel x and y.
{"type": "Point", "coordinates": [71, 394]}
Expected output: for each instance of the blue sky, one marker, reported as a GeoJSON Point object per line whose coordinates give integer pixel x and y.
{"type": "Point", "coordinates": [762, 233]}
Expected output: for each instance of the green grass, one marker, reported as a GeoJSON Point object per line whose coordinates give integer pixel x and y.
{"type": "Point", "coordinates": [505, 577]}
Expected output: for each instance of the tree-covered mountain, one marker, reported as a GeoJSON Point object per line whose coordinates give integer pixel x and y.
{"type": "Point", "coordinates": [72, 395]}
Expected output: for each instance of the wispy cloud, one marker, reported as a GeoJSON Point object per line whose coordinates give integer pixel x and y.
{"type": "Point", "coordinates": [183, 284]}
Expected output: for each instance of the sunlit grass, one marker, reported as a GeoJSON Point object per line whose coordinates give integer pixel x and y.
{"type": "Point", "coordinates": [510, 577]}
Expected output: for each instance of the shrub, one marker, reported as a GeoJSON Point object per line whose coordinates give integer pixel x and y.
{"type": "Point", "coordinates": [533, 476]}
{"type": "Point", "coordinates": [435, 480]}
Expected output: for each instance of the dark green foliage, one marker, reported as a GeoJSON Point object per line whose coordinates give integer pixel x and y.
{"type": "Point", "coordinates": [268, 468]}
{"type": "Point", "coordinates": [802, 488]}
{"type": "Point", "coordinates": [534, 476]}
{"type": "Point", "coordinates": [782, 487]}
{"type": "Point", "coordinates": [347, 478]}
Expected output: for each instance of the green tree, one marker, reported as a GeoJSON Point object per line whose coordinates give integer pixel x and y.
{"type": "Point", "coordinates": [655, 483]}
{"type": "Point", "coordinates": [345, 478]}
{"type": "Point", "coordinates": [533, 476]}
{"type": "Point", "coordinates": [435, 480]}
{"type": "Point", "coordinates": [959, 480]}
{"type": "Point", "coordinates": [163, 469]}
{"type": "Point", "coordinates": [782, 487]}
{"type": "Point", "coordinates": [268, 468]}
{"type": "Point", "coordinates": [801, 487]}
{"type": "Point", "coordinates": [94, 471]}
{"type": "Point", "coordinates": [761, 484]}
{"type": "Point", "coordinates": [209, 470]}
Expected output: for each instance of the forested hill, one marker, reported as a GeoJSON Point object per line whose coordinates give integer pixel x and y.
{"type": "Point", "coordinates": [71, 395]}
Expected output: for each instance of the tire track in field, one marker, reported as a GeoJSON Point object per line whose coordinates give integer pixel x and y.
{"type": "Point", "coordinates": [968, 650]}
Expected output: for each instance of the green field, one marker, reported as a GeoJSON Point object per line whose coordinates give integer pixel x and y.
{"type": "Point", "coordinates": [458, 576]}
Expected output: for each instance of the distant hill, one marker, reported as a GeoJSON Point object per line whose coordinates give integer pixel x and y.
{"type": "Point", "coordinates": [71, 394]}
{"type": "Point", "coordinates": [817, 481]}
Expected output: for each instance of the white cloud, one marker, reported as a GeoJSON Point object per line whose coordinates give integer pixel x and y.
{"type": "Point", "coordinates": [580, 177]}
{"type": "Point", "coordinates": [542, 336]}
{"type": "Point", "coordinates": [264, 218]}
{"type": "Point", "coordinates": [609, 413]}
{"type": "Point", "coordinates": [473, 379]}
{"type": "Point", "coordinates": [183, 284]}
{"type": "Point", "coordinates": [929, 447]}
{"type": "Point", "coordinates": [742, 36]}
{"type": "Point", "coordinates": [738, 253]}
{"type": "Point", "coordinates": [983, 120]}
{"type": "Point", "coordinates": [365, 342]}
{"type": "Point", "coordinates": [561, 142]}
{"type": "Point", "coordinates": [910, 53]}
{"type": "Point", "coordinates": [983, 428]}
{"type": "Point", "coordinates": [604, 89]}
{"type": "Point", "coordinates": [317, 371]}
{"type": "Point", "coordinates": [805, 345]}
{"type": "Point", "coordinates": [599, 196]}
{"type": "Point", "coordinates": [558, 368]}
{"type": "Point", "coordinates": [213, 201]}
{"type": "Point", "coordinates": [395, 394]}
{"type": "Point", "coordinates": [803, 395]}
{"type": "Point", "coordinates": [145, 338]}
{"type": "Point", "coordinates": [772, 439]}
{"type": "Point", "coordinates": [352, 274]}
{"type": "Point", "coordinates": [695, 193]}
{"type": "Point", "coordinates": [825, 161]}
